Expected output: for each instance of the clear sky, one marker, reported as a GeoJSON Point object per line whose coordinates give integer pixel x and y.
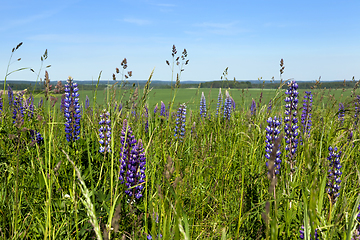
{"type": "Point", "coordinates": [84, 37]}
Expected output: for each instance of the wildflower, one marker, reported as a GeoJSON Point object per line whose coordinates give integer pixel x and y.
{"type": "Point", "coordinates": [272, 134]}
{"type": "Point", "coordinates": [162, 109]}
{"type": "Point", "coordinates": [302, 234]}
{"type": "Point", "coordinates": [29, 106]}
{"type": "Point", "coordinates": [132, 163]}
{"type": "Point", "coordinates": [341, 115]}
{"type": "Point", "coordinates": [333, 185]}
{"type": "Point", "coordinates": [357, 110]}
{"type": "Point", "coordinates": [202, 105]}
{"type": "Point", "coordinates": [306, 113]}
{"type": "Point", "coordinates": [146, 115]}
{"type": "Point", "coordinates": [233, 103]}
{"type": "Point", "coordinates": [253, 108]}
{"type": "Point", "coordinates": [290, 120]}
{"type": "Point", "coordinates": [269, 107]}
{"type": "Point", "coordinates": [87, 102]}
{"type": "Point", "coordinates": [219, 103]}
{"type": "Point", "coordinates": [18, 112]}
{"type": "Point", "coordinates": [10, 96]}
{"type": "Point", "coordinates": [40, 102]}
{"type": "Point", "coordinates": [227, 106]}
{"type": "Point", "coordinates": [105, 132]}
{"type": "Point", "coordinates": [72, 111]}
{"type": "Point", "coordinates": [1, 103]}
{"type": "Point", "coordinates": [36, 136]}
{"type": "Point", "coordinates": [155, 109]}
{"type": "Point", "coordinates": [180, 122]}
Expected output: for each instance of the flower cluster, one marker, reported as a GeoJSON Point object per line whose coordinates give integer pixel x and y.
{"type": "Point", "coordinates": [302, 234]}
{"type": "Point", "coordinates": [341, 115]}
{"type": "Point", "coordinates": [29, 106]}
{"type": "Point", "coordinates": [146, 115]}
{"type": "Point", "coordinates": [87, 102]}
{"type": "Point", "coordinates": [1, 104]}
{"type": "Point", "coordinates": [253, 108]}
{"type": "Point", "coordinates": [306, 113]}
{"type": "Point", "coordinates": [105, 132]}
{"type": "Point", "coordinates": [357, 110]}
{"type": "Point", "coordinates": [18, 112]}
{"type": "Point", "coordinates": [227, 106]}
{"type": "Point", "coordinates": [180, 122]}
{"type": "Point", "coordinates": [333, 184]}
{"type": "Point", "coordinates": [72, 111]}
{"type": "Point", "coordinates": [272, 134]}
{"type": "Point", "coordinates": [132, 162]}
{"type": "Point", "coordinates": [219, 103]}
{"type": "Point", "coordinates": [290, 120]}
{"type": "Point", "coordinates": [202, 105]}
{"type": "Point", "coordinates": [36, 136]}
{"type": "Point", "coordinates": [162, 109]}
{"type": "Point", "coordinates": [10, 96]}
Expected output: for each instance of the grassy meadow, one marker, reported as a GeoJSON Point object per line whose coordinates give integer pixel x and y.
{"type": "Point", "coordinates": [211, 184]}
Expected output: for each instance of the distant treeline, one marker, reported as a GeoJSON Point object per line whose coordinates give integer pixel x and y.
{"type": "Point", "coordinates": [88, 85]}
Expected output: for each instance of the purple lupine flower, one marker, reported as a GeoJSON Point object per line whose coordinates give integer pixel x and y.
{"type": "Point", "coordinates": [18, 112]}
{"type": "Point", "coordinates": [302, 234]}
{"type": "Point", "coordinates": [202, 105]}
{"type": "Point", "coordinates": [357, 110]}
{"type": "Point", "coordinates": [36, 136]}
{"type": "Point", "coordinates": [306, 113]}
{"type": "Point", "coordinates": [157, 237]}
{"type": "Point", "coordinates": [132, 163]}
{"type": "Point", "coordinates": [290, 120]}
{"type": "Point", "coordinates": [146, 115]}
{"type": "Point", "coordinates": [162, 109]}
{"type": "Point", "coordinates": [233, 104]}
{"type": "Point", "coordinates": [356, 235]}
{"type": "Point", "coordinates": [72, 111]}
{"type": "Point", "coordinates": [219, 103]}
{"type": "Point", "coordinates": [87, 102]}
{"type": "Point", "coordinates": [341, 115]}
{"type": "Point", "coordinates": [105, 132]}
{"type": "Point", "coordinates": [227, 106]}
{"type": "Point", "coordinates": [29, 106]}
{"type": "Point", "coordinates": [1, 103]}
{"type": "Point", "coordinates": [333, 185]}
{"type": "Point", "coordinates": [156, 109]}
{"type": "Point", "coordinates": [40, 102]}
{"type": "Point", "coordinates": [253, 108]}
{"type": "Point", "coordinates": [180, 122]}
{"type": "Point", "coordinates": [272, 134]}
{"type": "Point", "coordinates": [10, 96]}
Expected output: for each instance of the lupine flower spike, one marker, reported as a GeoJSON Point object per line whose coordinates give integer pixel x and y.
{"type": "Point", "coordinates": [162, 109]}
{"type": "Point", "coordinates": [10, 96]}
{"type": "Point", "coordinates": [333, 185]}
{"type": "Point", "coordinates": [272, 134]}
{"type": "Point", "coordinates": [1, 104]}
{"type": "Point", "coordinates": [227, 106]}
{"type": "Point", "coordinates": [290, 120]}
{"type": "Point", "coordinates": [132, 163]}
{"type": "Point", "coordinates": [341, 115]}
{"type": "Point", "coordinates": [180, 122]}
{"type": "Point", "coordinates": [87, 102]}
{"type": "Point", "coordinates": [105, 132]}
{"type": "Point", "coordinates": [253, 108]}
{"type": "Point", "coordinates": [156, 109]}
{"type": "Point", "coordinates": [18, 112]}
{"type": "Point", "coordinates": [202, 105]}
{"type": "Point", "coordinates": [72, 111]}
{"type": "Point", "coordinates": [357, 110]}
{"type": "Point", "coordinates": [219, 103]}
{"type": "Point", "coordinates": [306, 114]}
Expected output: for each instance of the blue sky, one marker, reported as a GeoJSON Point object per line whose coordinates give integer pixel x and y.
{"type": "Point", "coordinates": [315, 38]}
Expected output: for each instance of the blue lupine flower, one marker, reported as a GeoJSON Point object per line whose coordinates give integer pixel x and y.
{"type": "Point", "coordinates": [180, 122]}
{"type": "Point", "coordinates": [227, 106]}
{"type": "Point", "coordinates": [156, 108]}
{"type": "Point", "coordinates": [162, 109]}
{"type": "Point", "coordinates": [302, 233]}
{"type": "Point", "coordinates": [10, 96]}
{"type": "Point", "coordinates": [158, 236]}
{"type": "Point", "coordinates": [219, 103]}
{"type": "Point", "coordinates": [132, 162]}
{"type": "Point", "coordinates": [72, 111]}
{"type": "Point", "coordinates": [269, 107]}
{"type": "Point", "coordinates": [306, 113]}
{"type": "Point", "coordinates": [40, 102]}
{"type": "Point", "coordinates": [357, 110]}
{"type": "Point", "coordinates": [202, 105]}
{"type": "Point", "coordinates": [233, 104]}
{"type": "Point", "coordinates": [36, 136]}
{"type": "Point", "coordinates": [1, 104]}
{"type": "Point", "coordinates": [29, 106]}
{"type": "Point", "coordinates": [87, 102]}
{"type": "Point", "coordinates": [341, 115]}
{"type": "Point", "coordinates": [333, 185]}
{"type": "Point", "coordinates": [18, 111]}
{"type": "Point", "coordinates": [272, 134]}
{"type": "Point", "coordinates": [105, 132]}
{"type": "Point", "coordinates": [253, 107]}
{"type": "Point", "coordinates": [290, 120]}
